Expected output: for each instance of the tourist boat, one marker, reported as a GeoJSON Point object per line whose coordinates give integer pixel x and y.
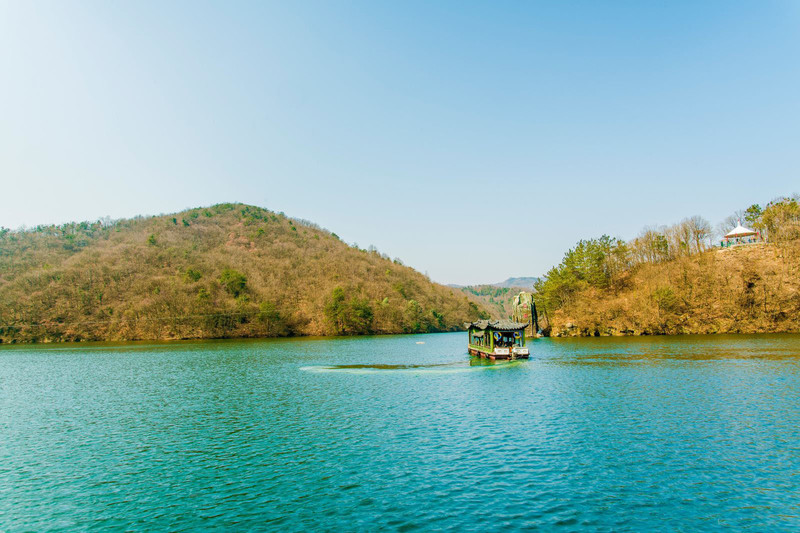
{"type": "Point", "coordinates": [498, 339]}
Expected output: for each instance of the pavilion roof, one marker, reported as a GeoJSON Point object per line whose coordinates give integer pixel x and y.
{"type": "Point", "coordinates": [740, 231]}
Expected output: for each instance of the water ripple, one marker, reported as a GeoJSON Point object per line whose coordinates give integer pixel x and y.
{"type": "Point", "coordinates": [383, 433]}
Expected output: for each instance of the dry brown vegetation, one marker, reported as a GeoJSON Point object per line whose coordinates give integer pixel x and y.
{"type": "Point", "coordinates": [670, 280]}
{"type": "Point", "coordinates": [747, 289]}
{"type": "Point", "coordinates": [229, 270]}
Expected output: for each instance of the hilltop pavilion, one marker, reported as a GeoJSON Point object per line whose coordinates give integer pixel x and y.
{"type": "Point", "coordinates": [740, 235]}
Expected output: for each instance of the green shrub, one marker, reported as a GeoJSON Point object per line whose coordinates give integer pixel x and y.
{"type": "Point", "coordinates": [233, 282]}
{"type": "Point", "coordinates": [439, 318]}
{"type": "Point", "coordinates": [269, 315]}
{"type": "Point", "coordinates": [353, 316]}
{"type": "Point", "coordinates": [665, 299]}
{"type": "Point", "coordinates": [413, 317]}
{"type": "Point", "coordinates": [191, 275]}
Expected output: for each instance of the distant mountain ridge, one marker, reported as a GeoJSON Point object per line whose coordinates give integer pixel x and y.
{"type": "Point", "coordinates": [521, 282]}
{"type": "Point", "coordinates": [510, 283]}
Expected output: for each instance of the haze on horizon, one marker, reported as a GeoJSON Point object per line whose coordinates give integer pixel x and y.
{"type": "Point", "coordinates": [476, 141]}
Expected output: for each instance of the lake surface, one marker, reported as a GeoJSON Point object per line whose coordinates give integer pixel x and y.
{"type": "Point", "coordinates": [651, 433]}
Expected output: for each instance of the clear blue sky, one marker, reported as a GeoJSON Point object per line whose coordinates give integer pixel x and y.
{"type": "Point", "coordinates": [431, 130]}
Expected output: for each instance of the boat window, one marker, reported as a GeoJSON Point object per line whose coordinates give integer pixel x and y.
{"type": "Point", "coordinates": [478, 337]}
{"type": "Point", "coordinates": [509, 339]}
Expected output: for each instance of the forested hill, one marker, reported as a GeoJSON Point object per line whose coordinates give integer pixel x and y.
{"type": "Point", "coordinates": [672, 280]}
{"type": "Point", "coordinates": [229, 270]}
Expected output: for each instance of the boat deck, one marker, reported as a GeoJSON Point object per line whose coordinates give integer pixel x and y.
{"type": "Point", "coordinates": [494, 356]}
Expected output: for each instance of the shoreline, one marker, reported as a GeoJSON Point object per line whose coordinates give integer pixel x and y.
{"type": "Point", "coordinates": [570, 331]}
{"type": "Point", "coordinates": [224, 338]}
{"type": "Point", "coordinates": [331, 337]}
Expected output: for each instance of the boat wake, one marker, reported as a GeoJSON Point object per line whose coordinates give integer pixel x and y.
{"type": "Point", "coordinates": [435, 368]}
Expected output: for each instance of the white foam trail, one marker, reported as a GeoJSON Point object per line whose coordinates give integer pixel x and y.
{"type": "Point", "coordinates": [432, 369]}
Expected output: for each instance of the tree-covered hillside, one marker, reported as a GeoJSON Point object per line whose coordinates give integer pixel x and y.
{"type": "Point", "coordinates": [674, 280]}
{"type": "Point", "coordinates": [230, 270]}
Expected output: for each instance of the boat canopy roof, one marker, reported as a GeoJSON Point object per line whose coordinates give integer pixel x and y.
{"type": "Point", "coordinates": [502, 325]}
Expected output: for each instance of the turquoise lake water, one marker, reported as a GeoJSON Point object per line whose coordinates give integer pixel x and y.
{"type": "Point", "coordinates": [649, 433]}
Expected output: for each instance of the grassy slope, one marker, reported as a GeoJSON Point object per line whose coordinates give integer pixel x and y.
{"type": "Point", "coordinates": [745, 289]}
{"type": "Point", "coordinates": [113, 282]}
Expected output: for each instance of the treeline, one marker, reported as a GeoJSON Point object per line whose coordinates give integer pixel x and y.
{"type": "Point", "coordinates": [778, 222]}
{"type": "Point", "coordinates": [598, 262]}
{"type": "Point", "coordinates": [229, 270]}
{"type": "Point", "coordinates": [664, 270]}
